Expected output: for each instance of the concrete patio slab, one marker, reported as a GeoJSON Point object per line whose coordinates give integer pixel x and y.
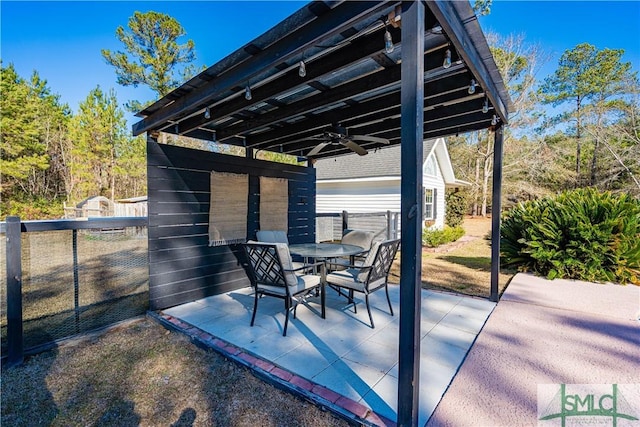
{"type": "Point", "coordinates": [341, 358]}
{"type": "Point", "coordinates": [541, 333]}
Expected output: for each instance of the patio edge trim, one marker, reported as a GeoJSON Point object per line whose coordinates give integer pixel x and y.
{"type": "Point", "coordinates": [341, 406]}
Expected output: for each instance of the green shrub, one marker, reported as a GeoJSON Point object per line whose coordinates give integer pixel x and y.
{"type": "Point", "coordinates": [433, 238]}
{"type": "Point", "coordinates": [456, 207]}
{"type": "Point", "coordinates": [581, 234]}
{"type": "Point", "coordinates": [32, 209]}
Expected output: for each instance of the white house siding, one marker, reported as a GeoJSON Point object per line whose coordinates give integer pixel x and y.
{"type": "Point", "coordinates": [358, 196]}
{"type": "Point", "coordinates": [372, 183]}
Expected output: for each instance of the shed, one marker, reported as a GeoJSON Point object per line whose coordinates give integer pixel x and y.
{"type": "Point", "coordinates": [372, 183]}
{"type": "Point", "coordinates": [401, 72]}
{"type": "Point", "coordinates": [94, 206]}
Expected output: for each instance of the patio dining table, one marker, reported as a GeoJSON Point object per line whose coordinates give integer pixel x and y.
{"type": "Point", "coordinates": [322, 252]}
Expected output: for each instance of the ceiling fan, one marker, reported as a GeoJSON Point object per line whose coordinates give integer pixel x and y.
{"type": "Point", "coordinates": [337, 135]}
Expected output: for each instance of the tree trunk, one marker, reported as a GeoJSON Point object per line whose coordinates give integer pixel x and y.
{"type": "Point", "coordinates": [476, 187]}
{"type": "Point", "coordinates": [594, 158]}
{"type": "Point", "coordinates": [487, 172]}
{"type": "Point", "coordinates": [578, 143]}
{"type": "Point", "coordinates": [485, 183]}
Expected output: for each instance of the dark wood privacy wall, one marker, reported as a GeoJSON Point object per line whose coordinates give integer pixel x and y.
{"type": "Point", "coordinates": [182, 265]}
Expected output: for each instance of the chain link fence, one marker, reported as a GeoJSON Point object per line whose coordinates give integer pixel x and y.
{"type": "Point", "coordinates": [74, 281]}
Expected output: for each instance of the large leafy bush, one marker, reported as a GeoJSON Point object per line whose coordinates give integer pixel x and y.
{"type": "Point", "coordinates": [581, 234]}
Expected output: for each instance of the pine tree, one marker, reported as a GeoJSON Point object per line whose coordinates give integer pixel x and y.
{"type": "Point", "coordinates": [153, 56]}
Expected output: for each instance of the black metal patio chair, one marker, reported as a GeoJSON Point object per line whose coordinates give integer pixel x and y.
{"type": "Point", "coordinates": [368, 277]}
{"type": "Point", "coordinates": [361, 238]}
{"type": "Point", "coordinates": [271, 273]}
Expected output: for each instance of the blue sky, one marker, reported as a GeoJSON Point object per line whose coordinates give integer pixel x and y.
{"type": "Point", "coordinates": [62, 40]}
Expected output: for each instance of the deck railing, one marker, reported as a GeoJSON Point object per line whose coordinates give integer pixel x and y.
{"type": "Point", "coordinates": [330, 226]}
{"type": "Point", "coordinates": [65, 277]}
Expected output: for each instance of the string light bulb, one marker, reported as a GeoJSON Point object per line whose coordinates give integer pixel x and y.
{"type": "Point", "coordinates": [247, 93]}
{"type": "Point", "coordinates": [207, 113]}
{"type": "Point", "coordinates": [447, 59]}
{"type": "Point", "coordinates": [494, 120]}
{"type": "Point", "coordinates": [302, 69]}
{"type": "Point", "coordinates": [485, 106]}
{"type": "Point", "coordinates": [472, 87]}
{"type": "Point", "coordinates": [388, 41]}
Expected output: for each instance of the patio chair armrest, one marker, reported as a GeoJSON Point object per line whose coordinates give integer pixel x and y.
{"type": "Point", "coordinates": [359, 267]}
{"type": "Point", "coordinates": [306, 266]}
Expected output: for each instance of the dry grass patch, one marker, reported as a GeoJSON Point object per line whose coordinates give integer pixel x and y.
{"type": "Point", "coordinates": [464, 269]}
{"type": "Point", "coordinates": [145, 375]}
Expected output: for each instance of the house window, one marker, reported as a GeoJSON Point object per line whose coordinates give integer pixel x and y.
{"type": "Point", "coordinates": [429, 203]}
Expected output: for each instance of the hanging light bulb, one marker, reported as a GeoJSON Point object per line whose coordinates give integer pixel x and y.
{"type": "Point", "coordinates": [494, 120]}
{"type": "Point", "coordinates": [485, 106]}
{"type": "Point", "coordinates": [247, 93]}
{"type": "Point", "coordinates": [388, 42]}
{"type": "Point", "coordinates": [207, 113]}
{"type": "Point", "coordinates": [302, 69]}
{"type": "Point", "coordinates": [447, 59]}
{"type": "Point", "coordinates": [472, 87]}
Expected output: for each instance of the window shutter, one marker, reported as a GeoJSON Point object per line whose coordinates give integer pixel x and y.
{"type": "Point", "coordinates": [435, 203]}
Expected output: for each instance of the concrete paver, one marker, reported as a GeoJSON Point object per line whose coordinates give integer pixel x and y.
{"type": "Point", "coordinates": [544, 332]}
{"type": "Point", "coordinates": [342, 353]}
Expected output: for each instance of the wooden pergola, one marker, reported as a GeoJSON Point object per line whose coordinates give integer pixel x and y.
{"type": "Point", "coordinates": [437, 79]}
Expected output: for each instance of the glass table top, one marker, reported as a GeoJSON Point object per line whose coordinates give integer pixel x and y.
{"type": "Point", "coordinates": [324, 250]}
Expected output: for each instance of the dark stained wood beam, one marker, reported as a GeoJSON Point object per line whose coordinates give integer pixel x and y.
{"type": "Point", "coordinates": [284, 49]}
{"type": "Point", "coordinates": [454, 26]}
{"type": "Point", "coordinates": [352, 52]}
{"type": "Point", "coordinates": [335, 95]}
{"type": "Point", "coordinates": [411, 155]}
{"type": "Point", "coordinates": [362, 86]}
{"type": "Point", "coordinates": [362, 112]}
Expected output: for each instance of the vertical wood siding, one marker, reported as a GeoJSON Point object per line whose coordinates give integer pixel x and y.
{"type": "Point", "coordinates": [182, 265]}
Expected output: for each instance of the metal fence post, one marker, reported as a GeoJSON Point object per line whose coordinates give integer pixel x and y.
{"type": "Point", "coordinates": [345, 221]}
{"type": "Point", "coordinates": [14, 291]}
{"type": "Point", "coordinates": [396, 217]}
{"type": "Point", "coordinates": [76, 282]}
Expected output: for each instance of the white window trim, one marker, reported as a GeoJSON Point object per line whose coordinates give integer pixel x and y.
{"type": "Point", "coordinates": [429, 193]}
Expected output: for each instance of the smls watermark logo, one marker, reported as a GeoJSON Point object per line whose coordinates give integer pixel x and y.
{"type": "Point", "coordinates": [572, 405]}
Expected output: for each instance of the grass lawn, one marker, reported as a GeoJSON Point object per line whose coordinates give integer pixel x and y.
{"type": "Point", "coordinates": [143, 375]}
{"type": "Point", "coordinates": [462, 267]}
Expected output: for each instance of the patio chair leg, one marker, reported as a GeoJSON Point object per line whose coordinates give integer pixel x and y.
{"type": "Point", "coordinates": [255, 308]}
{"type": "Point", "coordinates": [352, 301]}
{"type": "Point", "coordinates": [366, 298]}
{"type": "Point", "coordinates": [286, 318]}
{"type": "Point", "coordinates": [386, 289]}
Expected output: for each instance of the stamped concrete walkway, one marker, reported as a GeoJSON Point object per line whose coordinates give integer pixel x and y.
{"type": "Point", "coordinates": [541, 333]}
{"type": "Point", "coordinates": [340, 360]}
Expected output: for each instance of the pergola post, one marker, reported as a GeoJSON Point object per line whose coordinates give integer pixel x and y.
{"type": "Point", "coordinates": [412, 110]}
{"type": "Point", "coordinates": [496, 207]}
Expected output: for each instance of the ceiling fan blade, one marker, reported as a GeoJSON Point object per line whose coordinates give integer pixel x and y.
{"type": "Point", "coordinates": [369, 139]}
{"type": "Point", "coordinates": [354, 147]}
{"type": "Point", "coordinates": [317, 149]}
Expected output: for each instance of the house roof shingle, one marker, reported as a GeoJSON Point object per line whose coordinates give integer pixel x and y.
{"type": "Point", "coordinates": [381, 162]}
